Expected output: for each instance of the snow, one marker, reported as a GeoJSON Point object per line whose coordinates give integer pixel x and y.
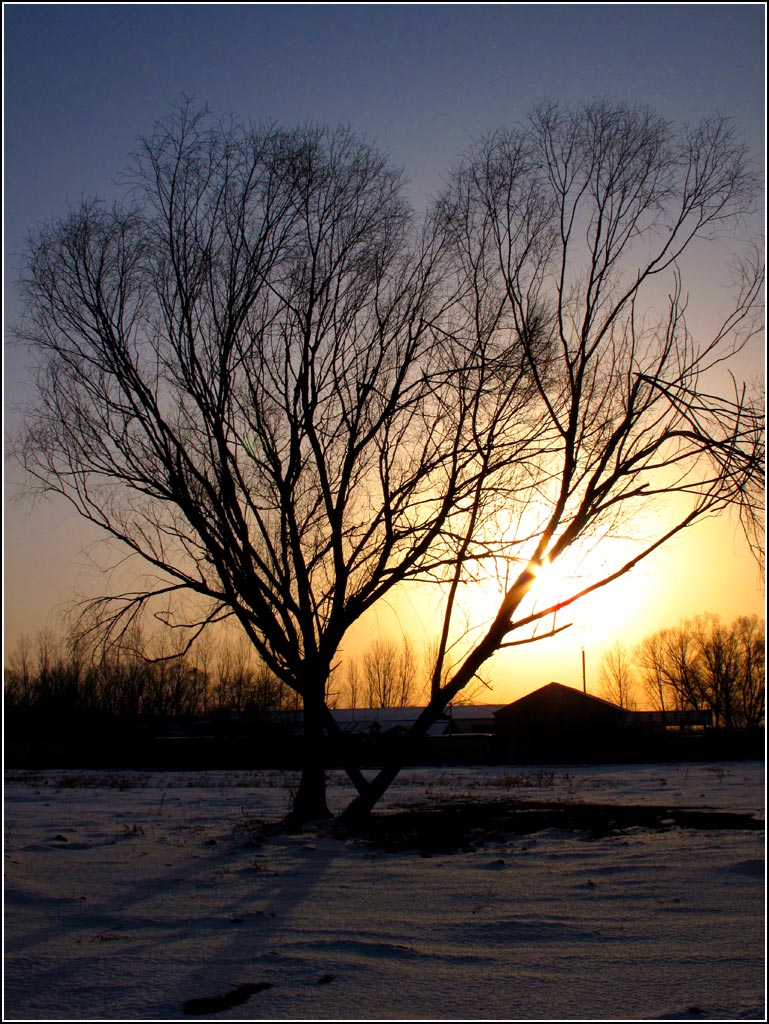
{"type": "Point", "coordinates": [145, 896]}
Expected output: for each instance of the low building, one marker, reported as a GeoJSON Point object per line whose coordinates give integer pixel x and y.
{"type": "Point", "coordinates": [384, 721]}
{"type": "Point", "coordinates": [475, 719]}
{"type": "Point", "coordinates": [557, 722]}
{"type": "Point", "coordinates": [560, 712]}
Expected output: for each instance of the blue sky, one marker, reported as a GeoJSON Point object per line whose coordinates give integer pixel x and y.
{"type": "Point", "coordinates": [82, 82]}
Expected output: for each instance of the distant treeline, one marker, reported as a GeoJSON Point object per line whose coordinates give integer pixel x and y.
{"type": "Point", "coordinates": [701, 664]}
{"type": "Point", "coordinates": [61, 675]}
{"type": "Point", "coordinates": [218, 674]}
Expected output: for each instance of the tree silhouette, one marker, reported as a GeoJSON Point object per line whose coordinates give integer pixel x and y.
{"type": "Point", "coordinates": [569, 225]}
{"type": "Point", "coordinates": [247, 380]}
{"type": "Point", "coordinates": [262, 377]}
{"type": "Point", "coordinates": [617, 677]}
{"type": "Point", "coordinates": [390, 674]}
{"type": "Point", "coordinates": [703, 664]}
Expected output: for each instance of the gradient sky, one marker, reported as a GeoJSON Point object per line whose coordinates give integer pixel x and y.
{"type": "Point", "coordinates": [82, 82]}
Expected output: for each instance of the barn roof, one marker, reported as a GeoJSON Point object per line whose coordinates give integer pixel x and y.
{"type": "Point", "coordinates": [557, 693]}
{"type": "Point", "coordinates": [473, 711]}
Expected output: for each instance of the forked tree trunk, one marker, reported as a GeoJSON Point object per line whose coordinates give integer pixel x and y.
{"type": "Point", "coordinates": [364, 803]}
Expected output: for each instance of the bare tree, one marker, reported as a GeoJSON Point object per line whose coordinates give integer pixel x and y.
{"type": "Point", "coordinates": [351, 684]}
{"type": "Point", "coordinates": [576, 222]}
{"type": "Point", "coordinates": [19, 674]}
{"type": "Point", "coordinates": [703, 664]}
{"type": "Point", "coordinates": [389, 674]}
{"type": "Point", "coordinates": [264, 381]}
{"type": "Point", "coordinates": [617, 677]}
{"type": "Point", "coordinates": [235, 672]}
{"type": "Point", "coordinates": [650, 658]}
{"type": "Point", "coordinates": [203, 654]}
{"type": "Point", "coordinates": [750, 638]}
{"type": "Point", "coordinates": [246, 382]}
{"type": "Point", "coordinates": [683, 669]}
{"type": "Point", "coordinates": [718, 654]}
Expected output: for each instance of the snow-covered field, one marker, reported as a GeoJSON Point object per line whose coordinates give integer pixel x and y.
{"type": "Point", "coordinates": [145, 896]}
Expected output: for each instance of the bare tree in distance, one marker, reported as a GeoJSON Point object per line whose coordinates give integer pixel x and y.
{"type": "Point", "coordinates": [264, 379]}
{"type": "Point", "coordinates": [351, 689]}
{"type": "Point", "coordinates": [617, 677]}
{"type": "Point", "coordinates": [750, 636]}
{"type": "Point", "coordinates": [64, 674]}
{"type": "Point", "coordinates": [651, 661]}
{"type": "Point", "coordinates": [389, 673]}
{"type": "Point", "coordinates": [572, 223]}
{"type": "Point", "coordinates": [703, 664]}
{"type": "Point", "coordinates": [250, 381]}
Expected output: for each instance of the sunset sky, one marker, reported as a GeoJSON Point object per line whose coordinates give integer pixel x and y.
{"type": "Point", "coordinates": [82, 82]}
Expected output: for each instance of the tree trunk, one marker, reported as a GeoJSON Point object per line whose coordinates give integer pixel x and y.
{"type": "Point", "coordinates": [310, 799]}
{"type": "Point", "coordinates": [365, 802]}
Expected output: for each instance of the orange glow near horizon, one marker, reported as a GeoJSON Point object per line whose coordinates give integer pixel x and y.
{"type": "Point", "coordinates": [707, 569]}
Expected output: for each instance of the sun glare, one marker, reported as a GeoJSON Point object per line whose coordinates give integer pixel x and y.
{"type": "Point", "coordinates": [605, 609]}
{"type": "Point", "coordinates": [550, 585]}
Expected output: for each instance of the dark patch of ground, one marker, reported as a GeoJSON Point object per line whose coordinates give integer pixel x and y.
{"type": "Point", "coordinates": [465, 826]}
{"type": "Point", "coordinates": [215, 1004]}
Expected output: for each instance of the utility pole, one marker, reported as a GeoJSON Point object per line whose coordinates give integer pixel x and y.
{"type": "Point", "coordinates": [584, 680]}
